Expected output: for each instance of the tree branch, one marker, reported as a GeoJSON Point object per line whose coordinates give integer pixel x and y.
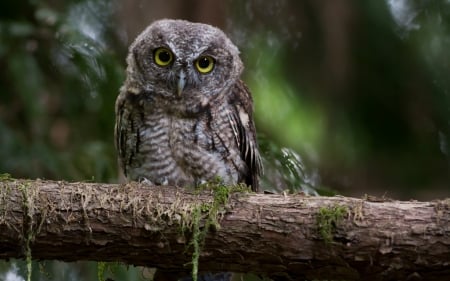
{"type": "Point", "coordinates": [286, 236]}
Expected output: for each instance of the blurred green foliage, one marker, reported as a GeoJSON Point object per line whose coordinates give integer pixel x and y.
{"type": "Point", "coordinates": [59, 80]}
{"type": "Point", "coordinates": [359, 88]}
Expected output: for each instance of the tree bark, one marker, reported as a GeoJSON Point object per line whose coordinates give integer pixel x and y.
{"type": "Point", "coordinates": [287, 237]}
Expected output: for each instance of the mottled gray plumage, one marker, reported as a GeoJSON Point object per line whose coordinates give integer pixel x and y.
{"type": "Point", "coordinates": [177, 125]}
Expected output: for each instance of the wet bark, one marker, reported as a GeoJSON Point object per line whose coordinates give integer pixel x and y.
{"type": "Point", "coordinates": [287, 237]}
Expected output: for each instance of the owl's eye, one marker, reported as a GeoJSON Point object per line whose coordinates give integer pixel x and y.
{"type": "Point", "coordinates": [162, 56]}
{"type": "Point", "coordinates": [205, 64]}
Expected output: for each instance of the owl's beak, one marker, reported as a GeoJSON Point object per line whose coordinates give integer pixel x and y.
{"type": "Point", "coordinates": [181, 82]}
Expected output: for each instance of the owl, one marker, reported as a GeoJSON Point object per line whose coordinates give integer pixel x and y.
{"type": "Point", "coordinates": [183, 116]}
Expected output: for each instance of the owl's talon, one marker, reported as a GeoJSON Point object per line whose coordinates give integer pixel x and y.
{"type": "Point", "coordinates": [145, 181]}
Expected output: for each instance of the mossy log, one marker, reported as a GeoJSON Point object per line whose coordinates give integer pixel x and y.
{"type": "Point", "coordinates": [287, 237]}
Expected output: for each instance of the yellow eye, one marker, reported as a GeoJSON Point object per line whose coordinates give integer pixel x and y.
{"type": "Point", "coordinates": [162, 56]}
{"type": "Point", "coordinates": [204, 64]}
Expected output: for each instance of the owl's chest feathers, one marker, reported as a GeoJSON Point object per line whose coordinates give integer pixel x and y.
{"type": "Point", "coordinates": [183, 150]}
{"type": "Point", "coordinates": [169, 130]}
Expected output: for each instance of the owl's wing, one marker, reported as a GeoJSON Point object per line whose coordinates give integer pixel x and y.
{"type": "Point", "coordinates": [241, 119]}
{"type": "Point", "coordinates": [126, 132]}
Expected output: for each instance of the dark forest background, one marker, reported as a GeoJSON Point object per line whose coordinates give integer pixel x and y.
{"type": "Point", "coordinates": [351, 97]}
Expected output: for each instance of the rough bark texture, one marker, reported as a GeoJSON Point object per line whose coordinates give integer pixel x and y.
{"type": "Point", "coordinates": [285, 237]}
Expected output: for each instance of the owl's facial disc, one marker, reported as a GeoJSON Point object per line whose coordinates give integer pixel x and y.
{"type": "Point", "coordinates": [181, 82]}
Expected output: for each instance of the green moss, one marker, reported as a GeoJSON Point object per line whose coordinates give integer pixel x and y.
{"type": "Point", "coordinates": [44, 271]}
{"type": "Point", "coordinates": [28, 233]}
{"type": "Point", "coordinates": [5, 198]}
{"type": "Point", "coordinates": [198, 238]}
{"type": "Point", "coordinates": [5, 177]}
{"type": "Point", "coordinates": [210, 213]}
{"type": "Point", "coordinates": [101, 267]}
{"type": "Point", "coordinates": [327, 220]}
{"type": "Point", "coordinates": [107, 268]}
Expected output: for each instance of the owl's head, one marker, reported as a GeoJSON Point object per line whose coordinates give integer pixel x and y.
{"type": "Point", "coordinates": [181, 60]}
